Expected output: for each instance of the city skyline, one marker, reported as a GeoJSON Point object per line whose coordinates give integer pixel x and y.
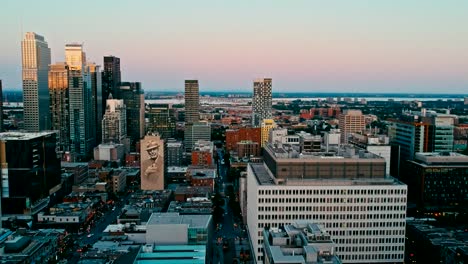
{"type": "Point", "coordinates": [306, 46]}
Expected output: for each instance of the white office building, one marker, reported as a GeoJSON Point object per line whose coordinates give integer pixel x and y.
{"type": "Point", "coordinates": [347, 192]}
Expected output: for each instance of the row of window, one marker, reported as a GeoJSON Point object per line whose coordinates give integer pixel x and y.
{"type": "Point", "coordinates": [332, 192]}
{"type": "Point", "coordinates": [334, 200]}
{"type": "Point", "coordinates": [368, 256]}
{"type": "Point", "coordinates": [331, 209]}
{"type": "Point", "coordinates": [366, 225]}
{"type": "Point", "coordinates": [356, 225]}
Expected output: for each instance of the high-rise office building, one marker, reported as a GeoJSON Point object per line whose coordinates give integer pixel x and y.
{"type": "Point", "coordinates": [82, 131]}
{"type": "Point", "coordinates": [261, 101]}
{"type": "Point", "coordinates": [114, 122]}
{"type": "Point", "coordinates": [59, 103]}
{"type": "Point", "coordinates": [441, 132]}
{"type": "Point", "coordinates": [95, 77]}
{"type": "Point", "coordinates": [174, 153]}
{"type": "Point", "coordinates": [35, 59]}
{"type": "Point", "coordinates": [196, 131]}
{"type": "Point", "coordinates": [420, 131]}
{"type": "Point", "coordinates": [344, 190]}
{"type": "Point", "coordinates": [411, 137]}
{"type": "Point", "coordinates": [134, 99]}
{"type": "Point", "coordinates": [437, 181]}
{"type": "Point", "coordinates": [33, 172]}
{"type": "Point", "coordinates": [111, 78]}
{"type": "Point", "coordinates": [192, 102]}
{"type": "Point", "coordinates": [161, 120]}
{"type": "Point", "coordinates": [351, 121]}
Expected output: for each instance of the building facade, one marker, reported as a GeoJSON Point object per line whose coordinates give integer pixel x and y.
{"type": "Point", "coordinates": [363, 210]}
{"type": "Point", "coordinates": [195, 132]}
{"type": "Point", "coordinates": [96, 108]}
{"type": "Point", "coordinates": [161, 120]}
{"type": "Point", "coordinates": [438, 180]}
{"type": "Point", "coordinates": [248, 148]}
{"type": "Point", "coordinates": [111, 78]}
{"type": "Point", "coordinates": [192, 102]}
{"type": "Point", "coordinates": [261, 101]}
{"type": "Point", "coordinates": [134, 99]}
{"type": "Point", "coordinates": [114, 122]}
{"type": "Point", "coordinates": [267, 125]}
{"type": "Point", "coordinates": [82, 130]}
{"type": "Point", "coordinates": [202, 153]}
{"type": "Point", "coordinates": [351, 121]}
{"type": "Point", "coordinates": [377, 144]}
{"type": "Point", "coordinates": [441, 132]}
{"type": "Point", "coordinates": [234, 136]}
{"type": "Point", "coordinates": [35, 64]}
{"type": "Point", "coordinates": [32, 172]}
{"type": "Point", "coordinates": [59, 103]}
{"type": "Point", "coordinates": [175, 151]}
{"type": "Point", "coordinates": [412, 137]}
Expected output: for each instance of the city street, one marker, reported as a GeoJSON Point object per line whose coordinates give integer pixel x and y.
{"type": "Point", "coordinates": [97, 228]}
{"type": "Point", "coordinates": [227, 232]}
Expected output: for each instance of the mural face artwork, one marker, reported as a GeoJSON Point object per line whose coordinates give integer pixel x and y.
{"type": "Point", "coordinates": [152, 163]}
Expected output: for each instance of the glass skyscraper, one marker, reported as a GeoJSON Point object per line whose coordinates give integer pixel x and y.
{"type": "Point", "coordinates": [35, 60]}
{"type": "Point", "coordinates": [59, 107]}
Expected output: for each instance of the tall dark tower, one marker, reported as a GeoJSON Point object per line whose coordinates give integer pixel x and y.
{"type": "Point", "coordinates": [134, 99]}
{"type": "Point", "coordinates": [111, 78]}
{"type": "Point", "coordinates": [59, 103]}
{"type": "Point", "coordinates": [161, 120]}
{"type": "Point", "coordinates": [192, 102]}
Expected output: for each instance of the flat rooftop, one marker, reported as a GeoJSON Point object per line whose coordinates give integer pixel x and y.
{"type": "Point", "coordinates": [265, 177]}
{"type": "Point", "coordinates": [73, 164]}
{"type": "Point", "coordinates": [203, 173]}
{"type": "Point", "coordinates": [291, 153]}
{"type": "Point", "coordinates": [8, 136]}
{"type": "Point", "coordinates": [441, 158]}
{"type": "Point", "coordinates": [173, 254]}
{"type": "Point", "coordinates": [176, 169]}
{"type": "Point", "coordinates": [193, 221]}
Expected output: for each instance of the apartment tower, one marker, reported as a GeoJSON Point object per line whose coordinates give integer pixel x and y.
{"type": "Point", "coordinates": [351, 121]}
{"type": "Point", "coordinates": [261, 102]}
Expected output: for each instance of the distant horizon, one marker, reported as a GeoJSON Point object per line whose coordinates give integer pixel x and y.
{"type": "Point", "coordinates": [347, 46]}
{"type": "Point", "coordinates": [367, 94]}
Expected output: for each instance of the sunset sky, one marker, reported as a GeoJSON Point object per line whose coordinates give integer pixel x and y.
{"type": "Point", "coordinates": [307, 46]}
